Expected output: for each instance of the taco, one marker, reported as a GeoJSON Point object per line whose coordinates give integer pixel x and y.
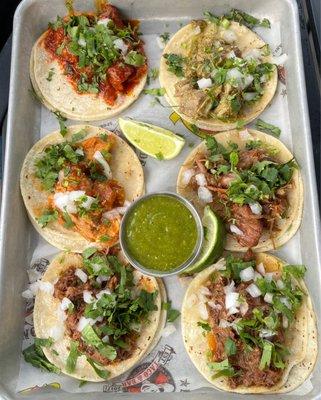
{"type": "Point", "coordinates": [249, 325]}
{"type": "Point", "coordinates": [96, 315]}
{"type": "Point", "coordinates": [76, 188]}
{"type": "Point", "coordinates": [217, 73]}
{"type": "Point", "coordinates": [251, 180]}
{"type": "Point", "coordinates": [89, 66]}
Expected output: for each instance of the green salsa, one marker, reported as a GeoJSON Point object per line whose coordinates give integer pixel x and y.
{"type": "Point", "coordinates": [161, 233]}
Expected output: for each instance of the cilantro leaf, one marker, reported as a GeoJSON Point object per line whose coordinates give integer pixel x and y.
{"type": "Point", "coordinates": [44, 342]}
{"type": "Point", "coordinates": [61, 121]}
{"type": "Point", "coordinates": [172, 314]}
{"type": "Point", "coordinates": [246, 19]}
{"type": "Point", "coordinates": [229, 347]}
{"type": "Point", "coordinates": [35, 356]}
{"type": "Point", "coordinates": [268, 128]}
{"type": "Point", "coordinates": [47, 217]}
{"type": "Point", "coordinates": [204, 325]}
{"type": "Point", "coordinates": [297, 271]}
{"type": "Point", "coordinates": [222, 368]}
{"type": "Point", "coordinates": [102, 373]}
{"type": "Point", "coordinates": [266, 355]}
{"type": "Point", "coordinates": [175, 63]}
{"type": "Point", "coordinates": [155, 91]}
{"type": "Point", "coordinates": [72, 356]}
{"type": "Point", "coordinates": [134, 58]}
{"type": "Point", "coordinates": [87, 253]}
{"type": "Point", "coordinates": [68, 221]}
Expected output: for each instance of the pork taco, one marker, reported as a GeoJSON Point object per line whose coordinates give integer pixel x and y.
{"type": "Point", "coordinates": [89, 66]}
{"type": "Point", "coordinates": [251, 180]}
{"type": "Point", "coordinates": [95, 316]}
{"type": "Point", "coordinates": [76, 188]}
{"type": "Point", "coordinates": [217, 72]}
{"type": "Point", "coordinates": [249, 326]}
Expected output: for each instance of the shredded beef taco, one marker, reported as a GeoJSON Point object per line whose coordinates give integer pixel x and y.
{"type": "Point", "coordinates": [76, 188]}
{"type": "Point", "coordinates": [249, 179]}
{"type": "Point", "coordinates": [249, 326]}
{"type": "Point", "coordinates": [217, 72]}
{"type": "Point", "coordinates": [89, 66]}
{"type": "Point", "coordinates": [95, 316]}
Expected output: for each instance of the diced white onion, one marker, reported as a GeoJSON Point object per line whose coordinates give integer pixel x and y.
{"type": "Point", "coordinates": [257, 275]}
{"type": "Point", "coordinates": [81, 275]}
{"type": "Point", "coordinates": [205, 291]}
{"type": "Point", "coordinates": [247, 274]}
{"type": "Point", "coordinates": [233, 310]}
{"type": "Point", "coordinates": [281, 59]}
{"type": "Point", "coordinates": [204, 83]}
{"type": "Point", "coordinates": [168, 330]}
{"type": "Point", "coordinates": [235, 229]}
{"type": "Point", "coordinates": [231, 54]}
{"type": "Point", "coordinates": [103, 21]}
{"type": "Point", "coordinates": [244, 308]}
{"type": "Point", "coordinates": [285, 322]}
{"type": "Point", "coordinates": [231, 300]}
{"type": "Point", "coordinates": [229, 35]}
{"type": "Point", "coordinates": [220, 265]}
{"type": "Point", "coordinates": [279, 284]}
{"type": "Point", "coordinates": [102, 292]}
{"type": "Point", "coordinates": [263, 78]}
{"type": "Point", "coordinates": [202, 311]}
{"type": "Point", "coordinates": [46, 287]}
{"type": "Point", "coordinates": [204, 194]}
{"type": "Point", "coordinates": [286, 302]}
{"type": "Point", "coordinates": [200, 179]}
{"type": "Point", "coordinates": [82, 323]}
{"type": "Point", "coordinates": [256, 208]}
{"type": "Point", "coordinates": [88, 297]}
{"type": "Point", "coordinates": [187, 176]}
{"type": "Point", "coordinates": [61, 175]}
{"type": "Point", "coordinates": [102, 278]}
{"type": "Point", "coordinates": [65, 303]}
{"type": "Point", "coordinates": [213, 305]}
{"type": "Point", "coordinates": [253, 54]}
{"type": "Point", "coordinates": [234, 74]}
{"type": "Point", "coordinates": [229, 288]}
{"type": "Point", "coordinates": [249, 96]}
{"type": "Point", "coordinates": [268, 276]}
{"type": "Point", "coordinates": [65, 201]}
{"type": "Point", "coordinates": [224, 324]}
{"type": "Point", "coordinates": [121, 45]}
{"type": "Point", "coordinates": [80, 151]}
{"type": "Point", "coordinates": [266, 333]}
{"type": "Point", "coordinates": [245, 135]}
{"type": "Point", "coordinates": [268, 298]}
{"type": "Point", "coordinates": [82, 42]}
{"type": "Point", "coordinates": [105, 339]}
{"type": "Point", "coordinates": [248, 79]}
{"type": "Point", "coordinates": [261, 269]}
{"type": "Point", "coordinates": [100, 158]}
{"type": "Point", "coordinates": [253, 290]}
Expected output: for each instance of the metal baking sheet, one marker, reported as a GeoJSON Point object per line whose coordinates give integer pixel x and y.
{"type": "Point", "coordinates": [28, 121]}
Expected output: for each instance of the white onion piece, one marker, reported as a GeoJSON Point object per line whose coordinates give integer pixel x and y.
{"type": "Point", "coordinates": [263, 79]}
{"type": "Point", "coordinates": [229, 288]}
{"type": "Point", "coordinates": [100, 158]}
{"type": "Point", "coordinates": [231, 300]}
{"type": "Point", "coordinates": [61, 315]}
{"type": "Point", "coordinates": [205, 291]}
{"type": "Point", "coordinates": [102, 292]}
{"type": "Point", "coordinates": [268, 276]}
{"type": "Point", "coordinates": [80, 151]}
{"type": "Point", "coordinates": [244, 308]}
{"type": "Point", "coordinates": [279, 284]}
{"type": "Point", "coordinates": [213, 305]}
{"type": "Point", "coordinates": [88, 297]}
{"type": "Point", "coordinates": [285, 322]}
{"type": "Point", "coordinates": [103, 21]}
{"type": "Point", "coordinates": [231, 54]}
{"type": "Point", "coordinates": [65, 201]}
{"type": "Point", "coordinates": [247, 81]}
{"type": "Point", "coordinates": [268, 298]}
{"type": "Point", "coordinates": [102, 278]}
{"type": "Point", "coordinates": [81, 275]}
{"type": "Point", "coordinates": [65, 303]}
{"type": "Point", "coordinates": [256, 208]}
{"type": "Point", "coordinates": [236, 230]}
{"type": "Point", "coordinates": [247, 274]}
{"type": "Point", "coordinates": [261, 268]}
{"type": "Point", "coordinates": [200, 179]}
{"type": "Point", "coordinates": [82, 42]}
{"type": "Point", "coordinates": [232, 310]}
{"type": "Point", "coordinates": [220, 265]}
{"type": "Point", "coordinates": [46, 287]}
{"type": "Point", "coordinates": [204, 83]}
{"type": "Point", "coordinates": [253, 290]}
{"type": "Point", "coordinates": [202, 311]}
{"type": "Point", "coordinates": [105, 339]}
{"type": "Point", "coordinates": [197, 30]}
{"type": "Point", "coordinates": [204, 194]}
{"type": "Point", "coordinates": [257, 275]}
{"type": "Point", "coordinates": [253, 54]}
{"type": "Point", "coordinates": [234, 74]}
{"type": "Point", "coordinates": [229, 35]}
{"type": "Point", "coordinates": [224, 324]}
{"type": "Point", "coordinates": [121, 45]}
{"type": "Point", "coordinates": [187, 176]}
{"type": "Point", "coordinates": [96, 267]}
{"type": "Point", "coordinates": [249, 96]}
{"type": "Point", "coordinates": [266, 333]}
{"type": "Point", "coordinates": [168, 330]}
{"type": "Point", "coordinates": [281, 59]}
{"type": "Point", "coordinates": [286, 302]}
{"type": "Point", "coordinates": [82, 323]}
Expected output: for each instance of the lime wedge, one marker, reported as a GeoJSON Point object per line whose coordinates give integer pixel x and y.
{"type": "Point", "coordinates": [214, 237]}
{"type": "Point", "coordinates": [153, 140]}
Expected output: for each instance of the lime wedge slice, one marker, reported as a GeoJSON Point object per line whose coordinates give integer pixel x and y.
{"type": "Point", "coordinates": [213, 245]}
{"type": "Point", "coordinates": [153, 140]}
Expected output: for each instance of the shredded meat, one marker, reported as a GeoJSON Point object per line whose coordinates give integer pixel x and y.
{"type": "Point", "coordinates": [226, 179]}
{"type": "Point", "coordinates": [118, 74]}
{"type": "Point", "coordinates": [247, 158]}
{"type": "Point", "coordinates": [110, 193]}
{"type": "Point", "coordinates": [249, 224]}
{"type": "Point", "coordinates": [113, 13]}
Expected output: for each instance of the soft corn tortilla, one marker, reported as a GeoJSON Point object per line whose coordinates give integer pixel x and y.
{"type": "Point", "coordinates": [125, 166]}
{"type": "Point", "coordinates": [246, 40]}
{"type": "Point", "coordinates": [288, 225]}
{"type": "Point", "coordinates": [48, 316]}
{"type": "Point", "coordinates": [59, 94]}
{"type": "Point", "coordinates": [301, 336]}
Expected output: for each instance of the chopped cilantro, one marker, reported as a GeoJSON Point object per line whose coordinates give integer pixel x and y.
{"type": "Point", "coordinates": [246, 19]}
{"type": "Point", "coordinates": [61, 121]}
{"type": "Point", "coordinates": [44, 342]}
{"type": "Point", "coordinates": [172, 314]}
{"type": "Point", "coordinates": [153, 74]}
{"type": "Point", "coordinates": [68, 221]}
{"type": "Point", "coordinates": [104, 238]}
{"type": "Point", "coordinates": [50, 74]}
{"type": "Point", "coordinates": [268, 128]}
{"type": "Point", "coordinates": [229, 347]}
{"type": "Point", "coordinates": [102, 373]}
{"type": "Point", "coordinates": [35, 356]}
{"type": "Point", "coordinates": [159, 156]}
{"type": "Point", "coordinates": [175, 63]}
{"type": "Point", "coordinates": [204, 325]}
{"type": "Point", "coordinates": [47, 217]}
{"type": "Point", "coordinates": [134, 58]}
{"type": "Point", "coordinates": [155, 91]}
{"type": "Point", "coordinates": [72, 356]}
{"type": "Point", "coordinates": [87, 253]}
{"type": "Point", "coordinates": [165, 37]}
{"type": "Point", "coordinates": [266, 354]}
{"type": "Point", "coordinates": [222, 368]}
{"type": "Point", "coordinates": [78, 136]}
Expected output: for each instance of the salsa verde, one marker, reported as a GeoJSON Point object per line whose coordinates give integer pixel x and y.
{"type": "Point", "coordinates": [161, 233]}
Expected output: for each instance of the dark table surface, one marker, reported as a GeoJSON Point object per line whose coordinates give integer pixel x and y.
{"type": "Point", "coordinates": [310, 20]}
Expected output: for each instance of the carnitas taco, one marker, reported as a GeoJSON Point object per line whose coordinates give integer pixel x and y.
{"type": "Point", "coordinates": [217, 72]}
{"type": "Point", "coordinates": [77, 187]}
{"type": "Point", "coordinates": [249, 325]}
{"type": "Point", "coordinates": [251, 180]}
{"type": "Point", "coordinates": [89, 66]}
{"type": "Point", "coordinates": [95, 316]}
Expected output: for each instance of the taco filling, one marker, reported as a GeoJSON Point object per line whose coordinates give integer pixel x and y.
{"type": "Point", "coordinates": [84, 197]}
{"type": "Point", "coordinates": [247, 313]}
{"type": "Point", "coordinates": [100, 54]}
{"type": "Point", "coordinates": [248, 188]}
{"type": "Point", "coordinates": [104, 307]}
{"type": "Point", "coordinates": [217, 79]}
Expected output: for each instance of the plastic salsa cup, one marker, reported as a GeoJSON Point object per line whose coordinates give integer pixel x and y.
{"type": "Point", "coordinates": [161, 234]}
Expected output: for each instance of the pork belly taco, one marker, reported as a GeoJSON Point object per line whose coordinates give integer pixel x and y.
{"type": "Point", "coordinates": [76, 188]}
{"type": "Point", "coordinates": [251, 180]}
{"type": "Point", "coordinates": [249, 326]}
{"type": "Point", "coordinates": [89, 66]}
{"type": "Point", "coordinates": [95, 316]}
{"type": "Point", "coordinates": [217, 72]}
